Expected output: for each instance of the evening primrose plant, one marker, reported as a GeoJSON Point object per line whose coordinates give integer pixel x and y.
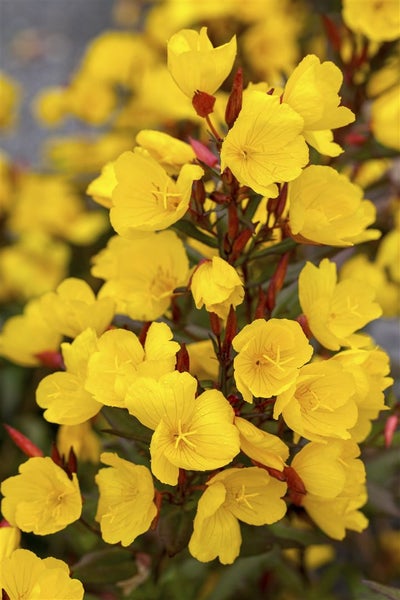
{"type": "Point", "coordinates": [209, 383]}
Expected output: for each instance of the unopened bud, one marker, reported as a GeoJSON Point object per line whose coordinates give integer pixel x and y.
{"type": "Point", "coordinates": [390, 428]}
{"type": "Point", "coordinates": [203, 154]}
{"type": "Point", "coordinates": [203, 103]}
{"type": "Point", "coordinates": [182, 359]}
{"type": "Point", "coordinates": [23, 443]}
{"type": "Point", "coordinates": [51, 359]}
{"type": "Point", "coordinates": [234, 104]}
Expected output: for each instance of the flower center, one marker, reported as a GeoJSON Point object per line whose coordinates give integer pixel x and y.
{"type": "Point", "coordinates": [182, 436]}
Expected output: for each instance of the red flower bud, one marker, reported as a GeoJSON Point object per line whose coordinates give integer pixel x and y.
{"type": "Point", "coordinates": [51, 359]}
{"type": "Point", "coordinates": [296, 487]}
{"type": "Point", "coordinates": [390, 428]}
{"type": "Point", "coordinates": [203, 154]}
{"type": "Point", "coordinates": [203, 103]}
{"type": "Point", "coordinates": [182, 359]}
{"type": "Point", "coordinates": [234, 104]}
{"type": "Point", "coordinates": [23, 443]}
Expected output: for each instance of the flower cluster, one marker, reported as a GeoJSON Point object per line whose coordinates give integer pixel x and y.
{"type": "Point", "coordinates": [218, 360]}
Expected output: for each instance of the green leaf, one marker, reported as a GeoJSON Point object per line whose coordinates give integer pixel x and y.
{"type": "Point", "coordinates": [191, 230]}
{"type": "Point", "coordinates": [175, 530]}
{"type": "Point", "coordinates": [125, 425]}
{"type": "Point", "coordinates": [105, 566]}
{"type": "Point", "coordinates": [382, 592]}
{"type": "Point", "coordinates": [281, 248]}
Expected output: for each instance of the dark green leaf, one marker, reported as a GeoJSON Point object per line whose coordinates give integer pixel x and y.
{"type": "Point", "coordinates": [383, 592]}
{"type": "Point", "coordinates": [105, 566]}
{"type": "Point", "coordinates": [191, 230]}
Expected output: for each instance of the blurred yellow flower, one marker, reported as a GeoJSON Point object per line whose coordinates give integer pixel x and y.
{"type": "Point", "coordinates": [312, 91]}
{"type": "Point", "coordinates": [189, 433]}
{"type": "Point", "coordinates": [146, 198]}
{"type": "Point", "coordinates": [126, 507]}
{"type": "Point", "coordinates": [385, 118]}
{"type": "Point", "coordinates": [10, 96]}
{"type": "Point", "coordinates": [25, 575]}
{"type": "Point", "coordinates": [270, 354]}
{"type": "Point", "coordinates": [195, 64]}
{"type": "Point", "coordinates": [50, 106]}
{"type": "Point", "coordinates": [264, 146]}
{"type": "Point", "coordinates": [378, 21]}
{"type": "Point", "coordinates": [375, 275]}
{"type": "Point", "coordinates": [33, 265]}
{"type": "Point", "coordinates": [325, 207]}
{"type": "Point", "coordinates": [42, 499]}
{"type": "Point", "coordinates": [335, 311]}
{"type": "Point", "coordinates": [25, 336]}
{"type": "Point", "coordinates": [50, 204]}
{"type": "Point", "coordinates": [247, 494]}
{"type": "Point", "coordinates": [73, 307]}
{"type": "Point", "coordinates": [82, 439]}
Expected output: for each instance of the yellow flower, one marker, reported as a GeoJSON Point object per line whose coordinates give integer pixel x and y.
{"type": "Point", "coordinates": [325, 207]}
{"type": "Point", "coordinates": [117, 58]}
{"type": "Point", "coordinates": [50, 106]}
{"type": "Point", "coordinates": [195, 64]}
{"type": "Point", "coordinates": [249, 495]}
{"type": "Point", "coordinates": [50, 204]}
{"type": "Point", "coordinates": [121, 358]}
{"type": "Point", "coordinates": [378, 21]}
{"type": "Point", "coordinates": [25, 575]}
{"type": "Point", "coordinates": [217, 285]}
{"type": "Point", "coordinates": [334, 479]}
{"type": "Point", "coordinates": [264, 146]}
{"type": "Point", "coordinates": [388, 256]}
{"type": "Point", "coordinates": [369, 369]}
{"type": "Point", "coordinates": [168, 151]}
{"type": "Point", "coordinates": [62, 394]}
{"type": "Point", "coordinates": [42, 499]}
{"type": "Point", "coordinates": [25, 336]}
{"type": "Point", "coordinates": [82, 439]}
{"type": "Point", "coordinates": [190, 433]}
{"type": "Point", "coordinates": [334, 310]}
{"type": "Point", "coordinates": [270, 354]}
{"type": "Point", "coordinates": [10, 538]}
{"type": "Point", "coordinates": [375, 275]}
{"type": "Point", "coordinates": [142, 288]}
{"type": "Point", "coordinates": [73, 307]}
{"type": "Point", "coordinates": [385, 118]}
{"type": "Point", "coordinates": [126, 508]}
{"type": "Point", "coordinates": [320, 404]}
{"type": "Point", "coordinates": [90, 99]}
{"type": "Point", "coordinates": [202, 360]}
{"type": "Point", "coordinates": [33, 265]}
{"type": "Point", "coordinates": [312, 91]}
{"type": "Point", "coordinates": [101, 188]}
{"type": "Point", "coordinates": [261, 446]}
{"type": "Point", "coordinates": [146, 198]}
{"type": "Point", "coordinates": [10, 94]}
